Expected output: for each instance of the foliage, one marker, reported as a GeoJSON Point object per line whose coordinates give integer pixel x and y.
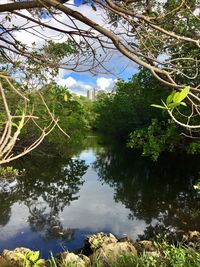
{"type": "Point", "coordinates": [167, 255]}
{"type": "Point", "coordinates": [95, 244]}
{"type": "Point", "coordinates": [165, 135]}
{"type": "Point", "coordinates": [148, 189]}
{"type": "Point", "coordinates": [194, 147]}
{"type": "Point", "coordinates": [31, 259]}
{"type": "Point", "coordinates": [127, 108]}
{"type": "Point", "coordinates": [174, 100]}
{"type": "Point", "coordinates": [197, 186]}
{"type": "Point", "coordinates": [51, 107]}
{"type": "Point", "coordinates": [168, 29]}
{"type": "Point", "coordinates": [9, 171]}
{"type": "Point", "coordinates": [165, 38]}
{"type": "Point", "coordinates": [156, 138]}
{"type": "Point", "coordinates": [71, 113]}
{"type": "Point", "coordinates": [127, 113]}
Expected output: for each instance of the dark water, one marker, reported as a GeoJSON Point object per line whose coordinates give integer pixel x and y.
{"type": "Point", "coordinates": [60, 200]}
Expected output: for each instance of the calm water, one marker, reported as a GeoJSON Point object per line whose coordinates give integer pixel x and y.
{"type": "Point", "coordinates": [61, 200]}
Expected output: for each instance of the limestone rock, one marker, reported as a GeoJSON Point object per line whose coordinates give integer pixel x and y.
{"type": "Point", "coordinates": [192, 236]}
{"type": "Point", "coordinates": [4, 263]}
{"type": "Point", "coordinates": [109, 253]}
{"type": "Point", "coordinates": [77, 260]}
{"type": "Point", "coordinates": [145, 245]}
{"type": "Point", "coordinates": [10, 256]}
{"type": "Point", "coordinates": [100, 239]}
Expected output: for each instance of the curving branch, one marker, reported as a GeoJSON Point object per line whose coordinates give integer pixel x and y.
{"type": "Point", "coordinates": [11, 130]}
{"type": "Point", "coordinates": [147, 35]}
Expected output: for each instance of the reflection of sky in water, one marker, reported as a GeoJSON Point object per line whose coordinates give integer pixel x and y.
{"type": "Point", "coordinates": [93, 206]}
{"type": "Point", "coordinates": [95, 210]}
{"type": "Point", "coordinates": [87, 155]}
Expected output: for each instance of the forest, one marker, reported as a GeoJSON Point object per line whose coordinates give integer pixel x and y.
{"type": "Point", "coordinates": [81, 175]}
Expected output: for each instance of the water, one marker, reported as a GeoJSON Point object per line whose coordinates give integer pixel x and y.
{"type": "Point", "coordinates": [61, 200]}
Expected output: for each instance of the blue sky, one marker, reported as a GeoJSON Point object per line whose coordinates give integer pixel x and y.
{"type": "Point", "coordinates": [81, 82]}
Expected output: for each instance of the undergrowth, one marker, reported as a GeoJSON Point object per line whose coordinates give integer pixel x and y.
{"type": "Point", "coordinates": [166, 255]}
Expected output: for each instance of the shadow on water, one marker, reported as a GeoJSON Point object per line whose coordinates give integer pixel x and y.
{"type": "Point", "coordinates": [161, 191]}
{"type": "Point", "coordinates": [55, 200]}
{"type": "Point", "coordinates": [49, 185]}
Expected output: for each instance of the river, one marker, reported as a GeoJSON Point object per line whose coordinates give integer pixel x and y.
{"type": "Point", "coordinates": [60, 200]}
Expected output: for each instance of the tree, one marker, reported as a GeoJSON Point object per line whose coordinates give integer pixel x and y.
{"type": "Point", "coordinates": [128, 107]}
{"type": "Point", "coordinates": [161, 36]}
{"type": "Point", "coordinates": [16, 114]}
{"type": "Point", "coordinates": [143, 31]}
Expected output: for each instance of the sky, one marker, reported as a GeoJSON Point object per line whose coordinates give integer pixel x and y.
{"type": "Point", "coordinates": [120, 66]}
{"type": "Point", "coordinates": [80, 82]}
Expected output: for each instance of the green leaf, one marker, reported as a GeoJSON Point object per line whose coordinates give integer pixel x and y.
{"type": "Point", "coordinates": [14, 124]}
{"type": "Point", "coordinates": [21, 123]}
{"type": "Point", "coordinates": [183, 104]}
{"type": "Point", "coordinates": [173, 105]}
{"type": "Point", "coordinates": [158, 106]}
{"type": "Point", "coordinates": [65, 97]}
{"type": "Point", "coordinates": [179, 96]}
{"type": "Point", "coordinates": [176, 98]}
{"type": "Point", "coordinates": [170, 98]}
{"type": "Point", "coordinates": [21, 256]}
{"type": "Point", "coordinates": [34, 256]}
{"type": "Point", "coordinates": [184, 93]}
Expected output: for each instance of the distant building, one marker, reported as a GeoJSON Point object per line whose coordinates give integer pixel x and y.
{"type": "Point", "coordinates": [92, 93]}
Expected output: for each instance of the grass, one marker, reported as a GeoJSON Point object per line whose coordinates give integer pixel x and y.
{"type": "Point", "coordinates": [168, 255]}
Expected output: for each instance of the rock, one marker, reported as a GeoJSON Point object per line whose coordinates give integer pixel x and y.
{"type": "Point", "coordinates": [11, 258]}
{"type": "Point", "coordinates": [109, 253]}
{"type": "Point", "coordinates": [73, 259]}
{"type": "Point", "coordinates": [4, 263]}
{"type": "Point", "coordinates": [123, 239]}
{"type": "Point", "coordinates": [192, 236]}
{"type": "Point", "coordinates": [96, 241]}
{"type": "Point", "coordinates": [145, 245]}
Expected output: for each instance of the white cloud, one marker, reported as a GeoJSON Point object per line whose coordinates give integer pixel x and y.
{"type": "Point", "coordinates": [74, 86]}
{"type": "Point", "coordinates": [105, 83]}
{"type": "Point", "coordinates": [70, 82]}
{"type": "Point", "coordinates": [80, 87]}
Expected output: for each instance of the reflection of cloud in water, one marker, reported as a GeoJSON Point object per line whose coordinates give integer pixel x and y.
{"type": "Point", "coordinates": [17, 223]}
{"type": "Point", "coordinates": [96, 210]}
{"type": "Point", "coordinates": [8, 185]}
{"type": "Point", "coordinates": [120, 193]}
{"type": "Point", "coordinates": [88, 156]}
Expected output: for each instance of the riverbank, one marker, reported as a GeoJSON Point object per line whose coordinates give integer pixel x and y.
{"type": "Point", "coordinates": [105, 250]}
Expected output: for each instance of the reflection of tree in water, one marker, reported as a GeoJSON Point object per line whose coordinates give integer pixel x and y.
{"type": "Point", "coordinates": [49, 185]}
{"type": "Point", "coordinates": [48, 223]}
{"type": "Point", "coordinates": [160, 190]}
{"type": "Point", "coordinates": [8, 196]}
{"type": "Point", "coordinates": [57, 191]}
{"type": "Point", "coordinates": [6, 200]}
